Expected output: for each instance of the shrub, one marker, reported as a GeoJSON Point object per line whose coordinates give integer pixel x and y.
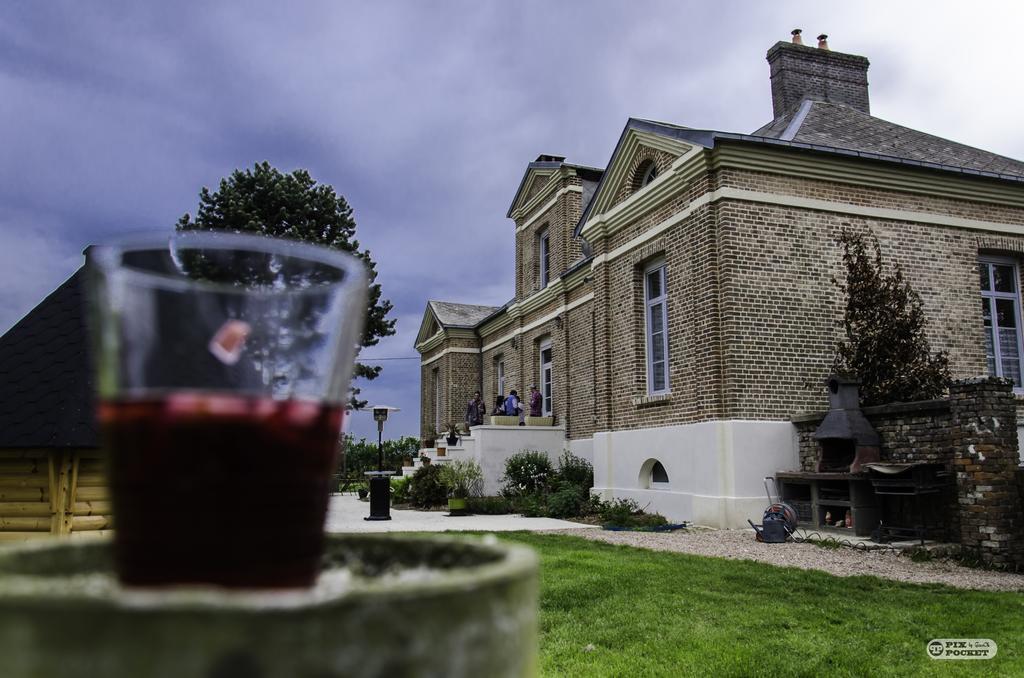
{"type": "Point", "coordinates": [489, 505]}
{"type": "Point", "coordinates": [531, 505]}
{"type": "Point", "coordinates": [627, 513]}
{"type": "Point", "coordinates": [618, 511]}
{"type": "Point", "coordinates": [885, 346]}
{"type": "Point", "coordinates": [462, 478]}
{"type": "Point", "coordinates": [426, 489]}
{"type": "Point", "coordinates": [536, 488]}
{"type": "Point", "coordinates": [400, 489]}
{"type": "Point", "coordinates": [526, 473]}
{"type": "Point", "coordinates": [567, 501]}
{"type": "Point", "coordinates": [576, 471]}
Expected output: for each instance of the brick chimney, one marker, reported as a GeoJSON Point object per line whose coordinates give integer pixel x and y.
{"type": "Point", "coordinates": [799, 72]}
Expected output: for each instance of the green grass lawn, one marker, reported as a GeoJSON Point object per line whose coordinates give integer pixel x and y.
{"type": "Point", "coordinates": [664, 614]}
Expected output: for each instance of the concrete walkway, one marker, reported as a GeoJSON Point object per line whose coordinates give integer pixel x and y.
{"type": "Point", "coordinates": [346, 514]}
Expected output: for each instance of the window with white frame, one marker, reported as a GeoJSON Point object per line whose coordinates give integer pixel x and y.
{"type": "Point", "coordinates": [545, 377]}
{"type": "Point", "coordinates": [656, 301]}
{"type": "Point", "coordinates": [1000, 307]}
{"type": "Point", "coordinates": [544, 256]}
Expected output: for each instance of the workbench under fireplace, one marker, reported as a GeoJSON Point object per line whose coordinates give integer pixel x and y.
{"type": "Point", "coordinates": [816, 495]}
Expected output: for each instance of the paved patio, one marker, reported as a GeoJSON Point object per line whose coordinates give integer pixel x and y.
{"type": "Point", "coordinates": [346, 514]}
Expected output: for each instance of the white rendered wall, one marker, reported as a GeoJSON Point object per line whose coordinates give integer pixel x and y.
{"type": "Point", "coordinates": [490, 446]}
{"type": "Point", "coordinates": [582, 448]}
{"type": "Point", "coordinates": [716, 470]}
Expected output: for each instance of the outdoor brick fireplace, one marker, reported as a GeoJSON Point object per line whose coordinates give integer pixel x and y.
{"type": "Point", "coordinates": [955, 460]}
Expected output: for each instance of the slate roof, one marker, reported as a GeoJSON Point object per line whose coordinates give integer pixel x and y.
{"type": "Point", "coordinates": [46, 384]}
{"type": "Point", "coordinates": [460, 315]}
{"type": "Point", "coordinates": [827, 124]}
{"type": "Point", "coordinates": [846, 133]}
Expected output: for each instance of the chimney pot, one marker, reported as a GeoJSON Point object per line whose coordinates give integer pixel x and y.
{"type": "Point", "coordinates": [822, 41]}
{"type": "Point", "coordinates": [797, 40]}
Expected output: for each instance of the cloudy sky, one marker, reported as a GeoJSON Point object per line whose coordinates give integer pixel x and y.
{"type": "Point", "coordinates": [422, 114]}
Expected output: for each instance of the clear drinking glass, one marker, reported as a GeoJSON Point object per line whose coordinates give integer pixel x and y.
{"type": "Point", "coordinates": [223, 364]}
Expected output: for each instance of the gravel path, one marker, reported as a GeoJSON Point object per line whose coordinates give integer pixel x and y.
{"type": "Point", "coordinates": [844, 562]}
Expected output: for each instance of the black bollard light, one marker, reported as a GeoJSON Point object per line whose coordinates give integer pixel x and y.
{"type": "Point", "coordinates": [380, 480]}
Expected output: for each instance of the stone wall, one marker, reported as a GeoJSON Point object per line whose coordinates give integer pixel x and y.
{"type": "Point", "coordinates": [972, 433]}
{"type": "Point", "coordinates": [984, 434]}
{"type": "Point", "coordinates": [911, 432]}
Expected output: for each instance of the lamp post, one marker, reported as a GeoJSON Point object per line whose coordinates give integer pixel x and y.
{"type": "Point", "coordinates": [380, 480]}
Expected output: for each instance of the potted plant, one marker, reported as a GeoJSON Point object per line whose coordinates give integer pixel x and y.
{"type": "Point", "coordinates": [452, 437]}
{"type": "Point", "coordinates": [463, 478]}
{"type": "Point", "coordinates": [429, 437]}
{"type": "Point", "coordinates": [425, 460]}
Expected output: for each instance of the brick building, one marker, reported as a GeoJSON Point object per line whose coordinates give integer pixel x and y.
{"type": "Point", "coordinates": [678, 307]}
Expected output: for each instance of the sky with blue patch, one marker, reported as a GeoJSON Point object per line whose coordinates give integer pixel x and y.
{"type": "Point", "coordinates": [422, 114]}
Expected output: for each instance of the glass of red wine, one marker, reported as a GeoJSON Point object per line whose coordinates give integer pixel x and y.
{"type": "Point", "coordinates": [223, 364]}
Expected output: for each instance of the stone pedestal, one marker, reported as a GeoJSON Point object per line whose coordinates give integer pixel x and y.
{"type": "Point", "coordinates": [385, 606]}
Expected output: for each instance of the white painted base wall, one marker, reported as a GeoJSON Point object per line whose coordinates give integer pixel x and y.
{"type": "Point", "coordinates": [490, 446]}
{"type": "Point", "coordinates": [716, 469]}
{"type": "Point", "coordinates": [582, 448]}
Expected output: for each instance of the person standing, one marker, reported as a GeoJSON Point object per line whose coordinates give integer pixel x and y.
{"type": "Point", "coordinates": [536, 402]}
{"type": "Point", "coordinates": [475, 410]}
{"type": "Point", "coordinates": [512, 406]}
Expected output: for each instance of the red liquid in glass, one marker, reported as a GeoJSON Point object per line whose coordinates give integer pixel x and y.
{"type": "Point", "coordinates": [219, 489]}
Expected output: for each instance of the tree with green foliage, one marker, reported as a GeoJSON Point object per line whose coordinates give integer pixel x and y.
{"type": "Point", "coordinates": [885, 346]}
{"type": "Point", "coordinates": [264, 201]}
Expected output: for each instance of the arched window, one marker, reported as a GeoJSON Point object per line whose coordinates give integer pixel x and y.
{"type": "Point", "coordinates": [644, 174]}
{"type": "Point", "coordinates": [649, 175]}
{"type": "Point", "coordinates": [653, 475]}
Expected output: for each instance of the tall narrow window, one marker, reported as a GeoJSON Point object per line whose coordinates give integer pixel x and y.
{"type": "Point", "coordinates": [657, 328]}
{"type": "Point", "coordinates": [544, 252]}
{"type": "Point", "coordinates": [499, 369]}
{"type": "Point", "coordinates": [1000, 307]}
{"type": "Point", "coordinates": [436, 378]}
{"type": "Point", "coordinates": [545, 378]}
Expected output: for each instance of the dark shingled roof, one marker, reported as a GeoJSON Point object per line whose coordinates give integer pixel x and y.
{"type": "Point", "coordinates": [824, 128]}
{"type": "Point", "coordinates": [839, 126]}
{"type": "Point", "coordinates": [460, 315]}
{"type": "Point", "coordinates": [46, 385]}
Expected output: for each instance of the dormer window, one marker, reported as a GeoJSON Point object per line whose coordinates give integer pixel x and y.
{"type": "Point", "coordinates": [644, 174]}
{"type": "Point", "coordinates": [649, 174]}
{"type": "Point", "coordinates": [544, 256]}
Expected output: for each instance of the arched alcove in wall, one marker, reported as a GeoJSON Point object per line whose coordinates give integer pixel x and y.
{"type": "Point", "coordinates": [653, 475]}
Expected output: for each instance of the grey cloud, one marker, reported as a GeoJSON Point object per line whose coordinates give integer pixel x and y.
{"type": "Point", "coordinates": [423, 115]}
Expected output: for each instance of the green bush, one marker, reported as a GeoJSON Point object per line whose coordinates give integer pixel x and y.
{"type": "Point", "coordinates": [536, 488]}
{"type": "Point", "coordinates": [400, 486]}
{"type": "Point", "coordinates": [627, 513]}
{"type": "Point", "coordinates": [576, 471]}
{"type": "Point", "coordinates": [526, 473]}
{"type": "Point", "coordinates": [531, 505]}
{"type": "Point", "coordinates": [489, 505]}
{"type": "Point", "coordinates": [567, 501]}
{"type": "Point", "coordinates": [426, 489]}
